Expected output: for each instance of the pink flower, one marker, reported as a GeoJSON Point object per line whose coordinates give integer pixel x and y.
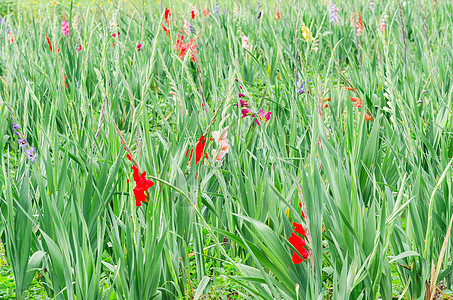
{"type": "Point", "coordinates": [220, 138]}
{"type": "Point", "coordinates": [65, 27]}
{"type": "Point", "coordinates": [243, 103]}
{"type": "Point", "coordinates": [245, 41]}
{"type": "Point", "coordinates": [139, 46]}
{"type": "Point", "coordinates": [263, 116]}
{"type": "Point", "coordinates": [246, 112]}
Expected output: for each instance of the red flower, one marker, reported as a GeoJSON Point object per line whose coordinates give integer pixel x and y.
{"type": "Point", "coordinates": [299, 244]}
{"type": "Point", "coordinates": [142, 185]}
{"type": "Point", "coordinates": [192, 13]}
{"type": "Point", "coordinates": [299, 229]}
{"type": "Point", "coordinates": [181, 47]}
{"type": "Point", "coordinates": [166, 15]}
{"type": "Point", "coordinates": [205, 12]}
{"type": "Point", "coordinates": [64, 76]}
{"type": "Point", "coordinates": [167, 31]}
{"type": "Point", "coordinates": [199, 149]}
{"type": "Point", "coordinates": [48, 42]}
{"type": "Point", "coordinates": [357, 102]}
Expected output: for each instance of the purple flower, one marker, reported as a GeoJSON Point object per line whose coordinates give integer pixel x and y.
{"type": "Point", "coordinates": [300, 88]}
{"type": "Point", "coordinates": [22, 143]}
{"type": "Point", "coordinates": [16, 133]}
{"type": "Point", "coordinates": [15, 126]}
{"type": "Point", "coordinates": [332, 10]}
{"type": "Point", "coordinates": [12, 118]}
{"type": "Point", "coordinates": [31, 154]}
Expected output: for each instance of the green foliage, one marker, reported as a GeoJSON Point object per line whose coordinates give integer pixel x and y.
{"type": "Point", "coordinates": [373, 176]}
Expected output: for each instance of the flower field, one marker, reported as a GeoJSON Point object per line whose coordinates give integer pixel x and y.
{"type": "Point", "coordinates": [249, 149]}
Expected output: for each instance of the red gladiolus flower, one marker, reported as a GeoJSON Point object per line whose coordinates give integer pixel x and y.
{"type": "Point", "coordinates": [142, 185]}
{"type": "Point", "coordinates": [48, 42]}
{"type": "Point", "coordinates": [359, 25]}
{"type": "Point", "coordinates": [181, 47]}
{"type": "Point", "coordinates": [357, 102]}
{"type": "Point", "coordinates": [299, 229]}
{"type": "Point", "coordinates": [192, 13]}
{"type": "Point", "coordinates": [199, 149]}
{"type": "Point", "coordinates": [299, 244]}
{"type": "Point", "coordinates": [166, 15]}
{"type": "Point", "coordinates": [167, 31]}
{"type": "Point", "coordinates": [64, 76]}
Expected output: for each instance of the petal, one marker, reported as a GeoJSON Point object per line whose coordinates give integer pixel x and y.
{"type": "Point", "coordinates": [297, 259]}
{"type": "Point", "coordinates": [299, 229]}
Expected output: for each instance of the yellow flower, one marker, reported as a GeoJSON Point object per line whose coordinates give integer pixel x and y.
{"type": "Point", "coordinates": [34, 2]}
{"type": "Point", "coordinates": [78, 4]}
{"type": "Point", "coordinates": [306, 33]}
{"type": "Point", "coordinates": [55, 3]}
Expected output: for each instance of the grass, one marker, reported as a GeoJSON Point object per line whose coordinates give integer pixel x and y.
{"type": "Point", "coordinates": [332, 181]}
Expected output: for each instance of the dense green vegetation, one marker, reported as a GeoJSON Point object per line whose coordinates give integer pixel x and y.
{"type": "Point", "coordinates": [292, 149]}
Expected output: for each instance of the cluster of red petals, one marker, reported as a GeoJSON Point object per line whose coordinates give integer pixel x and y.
{"type": "Point", "coordinates": [50, 44]}
{"type": "Point", "coordinates": [298, 242]}
{"type": "Point", "coordinates": [166, 30]}
{"type": "Point", "coordinates": [192, 14]}
{"type": "Point", "coordinates": [359, 25]}
{"type": "Point", "coordinates": [64, 77]}
{"type": "Point", "coordinates": [142, 185]}
{"type": "Point", "coordinates": [181, 47]}
{"type": "Point", "coordinates": [167, 14]}
{"type": "Point", "coordinates": [199, 149]}
{"type": "Point", "coordinates": [357, 102]}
